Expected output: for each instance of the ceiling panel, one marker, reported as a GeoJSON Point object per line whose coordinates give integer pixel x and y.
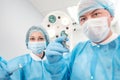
{"type": "Point", "coordinates": [45, 6]}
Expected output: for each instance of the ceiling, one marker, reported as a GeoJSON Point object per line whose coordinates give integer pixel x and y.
{"type": "Point", "coordinates": [46, 6]}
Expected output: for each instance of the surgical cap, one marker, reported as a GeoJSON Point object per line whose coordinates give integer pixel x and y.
{"type": "Point", "coordinates": [37, 29]}
{"type": "Point", "coordinates": [85, 6]}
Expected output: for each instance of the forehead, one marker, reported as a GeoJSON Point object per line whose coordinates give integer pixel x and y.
{"type": "Point", "coordinates": [36, 34]}
{"type": "Point", "coordinates": [103, 11]}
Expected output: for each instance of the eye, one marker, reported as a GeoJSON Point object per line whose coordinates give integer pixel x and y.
{"type": "Point", "coordinates": [83, 19]}
{"type": "Point", "coordinates": [32, 39]}
{"type": "Point", "coordinates": [41, 39]}
{"type": "Point", "coordinates": [96, 14]}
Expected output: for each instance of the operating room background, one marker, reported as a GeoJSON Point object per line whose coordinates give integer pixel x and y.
{"type": "Point", "coordinates": [16, 16]}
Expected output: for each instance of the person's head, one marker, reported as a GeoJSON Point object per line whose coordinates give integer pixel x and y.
{"type": "Point", "coordinates": [95, 17]}
{"type": "Point", "coordinates": [37, 39]}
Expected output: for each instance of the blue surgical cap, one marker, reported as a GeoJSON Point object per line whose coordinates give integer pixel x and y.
{"type": "Point", "coordinates": [85, 6]}
{"type": "Point", "coordinates": [37, 29]}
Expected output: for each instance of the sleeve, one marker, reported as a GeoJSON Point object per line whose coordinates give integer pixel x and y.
{"type": "Point", "coordinates": [116, 65]}
{"type": "Point", "coordinates": [4, 75]}
{"type": "Point", "coordinates": [17, 75]}
{"type": "Point", "coordinates": [16, 66]}
{"type": "Point", "coordinates": [2, 60]}
{"type": "Point", "coordinates": [62, 69]}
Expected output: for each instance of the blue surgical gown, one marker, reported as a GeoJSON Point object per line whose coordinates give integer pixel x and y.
{"type": "Point", "coordinates": [31, 69]}
{"type": "Point", "coordinates": [4, 75]}
{"type": "Point", "coordinates": [98, 62]}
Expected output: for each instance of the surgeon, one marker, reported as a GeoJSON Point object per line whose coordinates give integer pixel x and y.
{"type": "Point", "coordinates": [4, 74]}
{"type": "Point", "coordinates": [31, 66]}
{"type": "Point", "coordinates": [99, 57]}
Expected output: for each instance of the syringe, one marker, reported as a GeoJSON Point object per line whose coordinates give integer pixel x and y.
{"type": "Point", "coordinates": [17, 68]}
{"type": "Point", "coordinates": [63, 33]}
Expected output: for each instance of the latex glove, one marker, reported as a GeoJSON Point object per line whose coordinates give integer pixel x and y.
{"type": "Point", "coordinates": [55, 49]}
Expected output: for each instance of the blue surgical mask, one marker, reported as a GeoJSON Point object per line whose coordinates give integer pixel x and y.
{"type": "Point", "coordinates": [37, 47]}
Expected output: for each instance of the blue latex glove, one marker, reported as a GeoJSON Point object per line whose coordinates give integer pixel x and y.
{"type": "Point", "coordinates": [55, 50]}
{"type": "Point", "coordinates": [4, 75]}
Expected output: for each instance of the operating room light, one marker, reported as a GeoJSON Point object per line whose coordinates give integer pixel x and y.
{"type": "Point", "coordinates": [51, 33]}
{"type": "Point", "coordinates": [65, 21]}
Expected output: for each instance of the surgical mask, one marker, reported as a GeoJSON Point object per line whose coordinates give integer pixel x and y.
{"type": "Point", "coordinates": [96, 29]}
{"type": "Point", "coordinates": [37, 47]}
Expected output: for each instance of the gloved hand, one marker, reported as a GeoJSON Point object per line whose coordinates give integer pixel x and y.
{"type": "Point", "coordinates": [55, 50]}
{"type": "Point", "coordinates": [4, 75]}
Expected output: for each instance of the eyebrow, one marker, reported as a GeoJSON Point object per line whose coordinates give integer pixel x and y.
{"type": "Point", "coordinates": [90, 13]}
{"type": "Point", "coordinates": [31, 36]}
{"type": "Point", "coordinates": [34, 36]}
{"type": "Point", "coordinates": [94, 11]}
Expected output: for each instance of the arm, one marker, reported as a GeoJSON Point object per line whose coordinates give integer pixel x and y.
{"type": "Point", "coordinates": [15, 68]}
{"type": "Point", "coordinates": [116, 65]}
{"type": "Point", "coordinates": [17, 75]}
{"type": "Point", "coordinates": [56, 64]}
{"type": "Point", "coordinates": [4, 75]}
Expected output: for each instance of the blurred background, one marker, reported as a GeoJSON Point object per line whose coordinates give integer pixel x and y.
{"type": "Point", "coordinates": [16, 16]}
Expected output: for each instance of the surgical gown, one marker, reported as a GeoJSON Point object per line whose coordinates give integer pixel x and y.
{"type": "Point", "coordinates": [98, 62]}
{"type": "Point", "coordinates": [4, 75]}
{"type": "Point", "coordinates": [30, 70]}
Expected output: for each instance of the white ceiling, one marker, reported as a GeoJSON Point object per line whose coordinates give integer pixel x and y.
{"type": "Point", "coordinates": [45, 6]}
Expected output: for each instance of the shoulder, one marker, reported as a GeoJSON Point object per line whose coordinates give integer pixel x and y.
{"type": "Point", "coordinates": [20, 60]}
{"type": "Point", "coordinates": [80, 46]}
{"type": "Point", "coordinates": [118, 38]}
{"type": "Point", "coordinates": [78, 49]}
{"type": "Point", "coordinates": [116, 42]}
